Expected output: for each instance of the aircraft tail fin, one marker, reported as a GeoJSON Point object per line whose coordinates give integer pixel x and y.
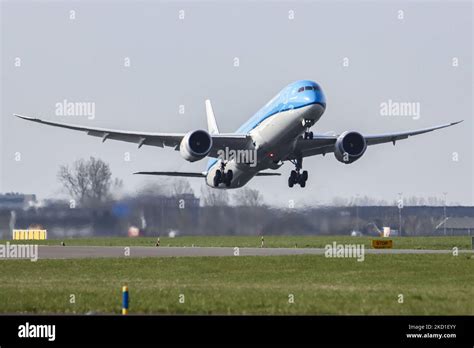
{"type": "Point", "coordinates": [211, 119]}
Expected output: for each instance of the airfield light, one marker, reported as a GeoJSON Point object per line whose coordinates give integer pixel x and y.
{"type": "Point", "coordinates": [124, 299]}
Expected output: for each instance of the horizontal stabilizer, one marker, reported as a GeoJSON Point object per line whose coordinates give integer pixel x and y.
{"type": "Point", "coordinates": [194, 174]}
{"type": "Point", "coordinates": [186, 174]}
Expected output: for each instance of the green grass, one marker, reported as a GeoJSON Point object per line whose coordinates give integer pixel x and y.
{"type": "Point", "coordinates": [430, 284]}
{"type": "Point", "coordinates": [463, 242]}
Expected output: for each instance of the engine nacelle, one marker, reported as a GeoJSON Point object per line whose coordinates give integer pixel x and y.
{"type": "Point", "coordinates": [349, 147]}
{"type": "Point", "coordinates": [195, 145]}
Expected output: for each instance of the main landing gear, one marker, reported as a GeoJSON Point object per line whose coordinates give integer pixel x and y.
{"type": "Point", "coordinates": [222, 176]}
{"type": "Point", "coordinates": [297, 177]}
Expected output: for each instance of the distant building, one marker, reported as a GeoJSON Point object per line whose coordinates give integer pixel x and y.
{"type": "Point", "coordinates": [16, 201]}
{"type": "Point", "coordinates": [457, 226]}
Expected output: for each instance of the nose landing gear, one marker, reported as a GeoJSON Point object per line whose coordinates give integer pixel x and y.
{"type": "Point", "coordinates": [307, 124]}
{"type": "Point", "coordinates": [222, 176]}
{"type": "Point", "coordinates": [296, 176]}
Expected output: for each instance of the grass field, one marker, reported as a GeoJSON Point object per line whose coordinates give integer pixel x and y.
{"type": "Point", "coordinates": [430, 284]}
{"type": "Point", "coordinates": [463, 242]}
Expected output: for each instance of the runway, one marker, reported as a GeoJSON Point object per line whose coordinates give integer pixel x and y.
{"type": "Point", "coordinates": [74, 252]}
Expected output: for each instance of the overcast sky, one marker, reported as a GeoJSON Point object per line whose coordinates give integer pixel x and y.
{"type": "Point", "coordinates": [177, 61]}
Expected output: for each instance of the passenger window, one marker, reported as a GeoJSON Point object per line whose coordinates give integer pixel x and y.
{"type": "Point", "coordinates": [301, 89]}
{"type": "Point", "coordinates": [308, 88]}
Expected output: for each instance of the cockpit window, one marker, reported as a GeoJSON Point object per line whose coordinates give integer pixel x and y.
{"type": "Point", "coordinates": [309, 88]}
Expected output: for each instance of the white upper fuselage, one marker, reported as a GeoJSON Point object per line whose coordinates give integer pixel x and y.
{"type": "Point", "coordinates": [274, 131]}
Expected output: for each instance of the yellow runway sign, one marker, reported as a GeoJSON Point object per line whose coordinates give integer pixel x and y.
{"type": "Point", "coordinates": [29, 234]}
{"type": "Point", "coordinates": [382, 244]}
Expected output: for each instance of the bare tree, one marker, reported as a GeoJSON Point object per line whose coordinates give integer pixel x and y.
{"type": "Point", "coordinates": [117, 186]}
{"type": "Point", "coordinates": [214, 197]}
{"type": "Point", "coordinates": [100, 178]}
{"type": "Point", "coordinates": [248, 197]}
{"type": "Point", "coordinates": [87, 180]}
{"type": "Point", "coordinates": [75, 179]}
{"type": "Point", "coordinates": [366, 201]}
{"type": "Point", "coordinates": [340, 202]}
{"type": "Point", "coordinates": [180, 187]}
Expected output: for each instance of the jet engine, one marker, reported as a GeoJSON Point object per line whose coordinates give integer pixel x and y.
{"type": "Point", "coordinates": [349, 147]}
{"type": "Point", "coordinates": [195, 145]}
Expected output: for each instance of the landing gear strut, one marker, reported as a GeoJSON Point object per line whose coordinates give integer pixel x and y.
{"type": "Point", "coordinates": [222, 176]}
{"type": "Point", "coordinates": [297, 177]}
{"type": "Point", "coordinates": [307, 124]}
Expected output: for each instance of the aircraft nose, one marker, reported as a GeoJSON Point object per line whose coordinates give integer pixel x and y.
{"type": "Point", "coordinates": [319, 98]}
{"type": "Point", "coordinates": [311, 96]}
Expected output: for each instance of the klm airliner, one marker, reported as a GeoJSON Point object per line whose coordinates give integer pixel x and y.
{"type": "Point", "coordinates": [279, 132]}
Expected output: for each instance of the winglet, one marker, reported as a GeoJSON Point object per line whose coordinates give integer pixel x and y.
{"type": "Point", "coordinates": [25, 117]}
{"type": "Point", "coordinates": [211, 119]}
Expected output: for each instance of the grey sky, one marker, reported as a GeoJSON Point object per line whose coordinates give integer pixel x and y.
{"type": "Point", "coordinates": [182, 62]}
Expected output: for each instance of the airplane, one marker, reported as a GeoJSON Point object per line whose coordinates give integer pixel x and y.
{"type": "Point", "coordinates": [279, 132]}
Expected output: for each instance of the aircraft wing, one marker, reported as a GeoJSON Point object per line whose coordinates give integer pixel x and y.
{"type": "Point", "coordinates": [220, 141]}
{"type": "Point", "coordinates": [393, 137]}
{"type": "Point", "coordinates": [322, 144]}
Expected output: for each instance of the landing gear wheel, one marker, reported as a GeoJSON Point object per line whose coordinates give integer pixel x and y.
{"type": "Point", "coordinates": [304, 175]}
{"type": "Point", "coordinates": [217, 178]}
{"type": "Point", "coordinates": [295, 176]}
{"type": "Point", "coordinates": [290, 182]}
{"type": "Point", "coordinates": [221, 176]}
{"type": "Point", "coordinates": [308, 135]}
